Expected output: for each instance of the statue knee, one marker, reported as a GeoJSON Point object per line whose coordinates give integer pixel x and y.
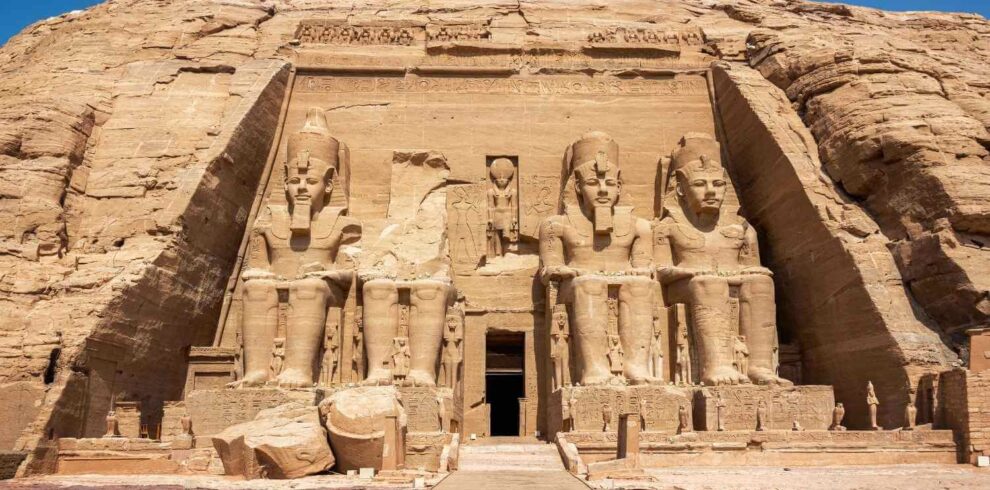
{"type": "Point", "coordinates": [258, 289]}
{"type": "Point", "coordinates": [757, 285]}
{"type": "Point", "coordinates": [309, 288]}
{"type": "Point", "coordinates": [637, 287]}
{"type": "Point", "coordinates": [708, 287]}
{"type": "Point", "coordinates": [379, 289]}
{"type": "Point", "coordinates": [429, 290]}
{"type": "Point", "coordinates": [590, 286]}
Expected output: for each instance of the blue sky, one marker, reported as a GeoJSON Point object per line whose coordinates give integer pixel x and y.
{"type": "Point", "coordinates": [18, 14]}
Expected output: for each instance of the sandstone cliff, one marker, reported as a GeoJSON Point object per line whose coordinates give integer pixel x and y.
{"type": "Point", "coordinates": [133, 136]}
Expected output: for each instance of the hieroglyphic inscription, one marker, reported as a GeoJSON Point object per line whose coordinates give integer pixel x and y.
{"type": "Point", "coordinates": [573, 60]}
{"type": "Point", "coordinates": [810, 405]}
{"type": "Point", "coordinates": [646, 36]}
{"type": "Point", "coordinates": [520, 86]}
{"type": "Point", "coordinates": [538, 200]}
{"type": "Point", "coordinates": [422, 408]}
{"type": "Point", "coordinates": [658, 405]}
{"type": "Point", "coordinates": [212, 411]}
{"type": "Point", "coordinates": [466, 224]}
{"type": "Point", "coordinates": [320, 32]}
{"type": "Point", "coordinates": [457, 33]}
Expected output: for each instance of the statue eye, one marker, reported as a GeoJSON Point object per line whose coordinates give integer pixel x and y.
{"type": "Point", "coordinates": [591, 182]}
{"type": "Point", "coordinates": [311, 181]}
{"type": "Point", "coordinates": [294, 180]}
{"type": "Point", "coordinates": [719, 183]}
{"type": "Point", "coordinates": [698, 183]}
{"type": "Point", "coordinates": [611, 182]}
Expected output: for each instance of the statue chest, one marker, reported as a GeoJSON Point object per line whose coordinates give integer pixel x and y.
{"type": "Point", "coordinates": [600, 252]}
{"type": "Point", "coordinates": [720, 247]}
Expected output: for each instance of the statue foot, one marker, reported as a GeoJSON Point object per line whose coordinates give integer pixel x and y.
{"type": "Point", "coordinates": [725, 376]}
{"type": "Point", "coordinates": [250, 380]}
{"type": "Point", "coordinates": [378, 377]}
{"type": "Point", "coordinates": [291, 378]}
{"type": "Point", "coordinates": [420, 378]}
{"type": "Point", "coordinates": [642, 379]}
{"type": "Point", "coordinates": [595, 380]}
{"type": "Point", "coordinates": [762, 376]}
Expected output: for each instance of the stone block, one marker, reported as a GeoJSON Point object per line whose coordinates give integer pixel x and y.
{"type": "Point", "coordinates": [212, 411]}
{"type": "Point", "coordinates": [810, 405]}
{"type": "Point", "coordinates": [656, 405]}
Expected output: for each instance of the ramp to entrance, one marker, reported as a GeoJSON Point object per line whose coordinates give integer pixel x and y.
{"type": "Point", "coordinates": [510, 462]}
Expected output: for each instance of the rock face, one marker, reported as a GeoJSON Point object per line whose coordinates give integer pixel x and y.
{"type": "Point", "coordinates": [136, 142]}
{"type": "Point", "coordinates": [283, 442]}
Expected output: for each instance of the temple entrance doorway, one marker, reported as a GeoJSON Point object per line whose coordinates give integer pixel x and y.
{"type": "Point", "coordinates": [504, 381]}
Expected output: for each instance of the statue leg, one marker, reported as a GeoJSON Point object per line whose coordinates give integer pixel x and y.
{"type": "Point", "coordinates": [708, 300]}
{"type": "Point", "coordinates": [259, 320]}
{"type": "Point", "coordinates": [381, 324]}
{"type": "Point", "coordinates": [590, 327]}
{"type": "Point", "coordinates": [429, 301]}
{"type": "Point", "coordinates": [758, 315]}
{"type": "Point", "coordinates": [308, 303]}
{"type": "Point", "coordinates": [636, 327]}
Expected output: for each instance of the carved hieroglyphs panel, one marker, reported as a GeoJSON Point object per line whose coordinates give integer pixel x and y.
{"type": "Point", "coordinates": [593, 406]}
{"type": "Point", "coordinates": [467, 222]}
{"type": "Point", "coordinates": [810, 405]}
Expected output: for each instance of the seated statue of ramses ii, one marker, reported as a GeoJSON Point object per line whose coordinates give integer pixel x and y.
{"type": "Point", "coordinates": [701, 254]}
{"type": "Point", "coordinates": [601, 257]}
{"type": "Point", "coordinates": [294, 249]}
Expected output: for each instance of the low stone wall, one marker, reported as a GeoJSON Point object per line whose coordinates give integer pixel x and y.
{"type": "Point", "coordinates": [776, 448]}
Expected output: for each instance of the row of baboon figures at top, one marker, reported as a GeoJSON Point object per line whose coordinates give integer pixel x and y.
{"type": "Point", "coordinates": [601, 265]}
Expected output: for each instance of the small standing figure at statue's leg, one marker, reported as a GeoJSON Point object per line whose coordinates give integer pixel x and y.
{"type": "Point", "coordinates": [873, 402]}
{"type": "Point", "coordinates": [838, 413]}
{"type": "Point", "coordinates": [761, 416]}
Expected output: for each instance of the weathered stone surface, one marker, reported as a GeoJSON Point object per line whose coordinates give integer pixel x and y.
{"type": "Point", "coordinates": [134, 137]}
{"type": "Point", "coordinates": [288, 441]}
{"type": "Point", "coordinates": [355, 419]}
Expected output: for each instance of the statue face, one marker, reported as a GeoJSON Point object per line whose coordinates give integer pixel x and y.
{"type": "Point", "coordinates": [310, 188]}
{"type": "Point", "coordinates": [598, 189]}
{"type": "Point", "coordinates": [502, 183]}
{"type": "Point", "coordinates": [703, 192]}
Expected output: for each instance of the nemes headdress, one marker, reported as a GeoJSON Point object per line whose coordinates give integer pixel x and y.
{"type": "Point", "coordinates": [697, 152]}
{"type": "Point", "coordinates": [595, 151]}
{"type": "Point", "coordinates": [311, 150]}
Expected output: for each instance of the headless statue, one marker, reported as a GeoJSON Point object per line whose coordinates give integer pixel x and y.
{"type": "Point", "coordinates": [294, 249]}
{"type": "Point", "coordinates": [594, 247]}
{"type": "Point", "coordinates": [701, 254]}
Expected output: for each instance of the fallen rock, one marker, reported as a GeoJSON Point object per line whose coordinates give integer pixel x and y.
{"type": "Point", "coordinates": [284, 442]}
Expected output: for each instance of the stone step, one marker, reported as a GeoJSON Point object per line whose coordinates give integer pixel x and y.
{"type": "Point", "coordinates": [520, 457]}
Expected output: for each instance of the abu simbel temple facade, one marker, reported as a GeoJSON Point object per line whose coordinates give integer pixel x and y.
{"type": "Point", "coordinates": [272, 239]}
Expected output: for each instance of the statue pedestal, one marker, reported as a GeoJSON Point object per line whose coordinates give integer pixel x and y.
{"type": "Point", "coordinates": [212, 411]}
{"type": "Point", "coordinates": [810, 405]}
{"type": "Point", "coordinates": [657, 405]}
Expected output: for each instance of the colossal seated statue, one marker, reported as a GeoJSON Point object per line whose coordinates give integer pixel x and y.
{"type": "Point", "coordinates": [599, 255]}
{"type": "Point", "coordinates": [703, 254]}
{"type": "Point", "coordinates": [294, 251]}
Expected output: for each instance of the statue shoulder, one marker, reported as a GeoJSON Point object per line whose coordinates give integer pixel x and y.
{"type": "Point", "coordinates": [554, 223]}
{"type": "Point", "coordinates": [350, 230]}
{"type": "Point", "coordinates": [274, 219]}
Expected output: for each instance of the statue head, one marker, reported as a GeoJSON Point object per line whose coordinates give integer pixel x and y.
{"type": "Point", "coordinates": [700, 178]}
{"type": "Point", "coordinates": [310, 169]}
{"type": "Point", "coordinates": [595, 168]}
{"type": "Point", "coordinates": [502, 170]}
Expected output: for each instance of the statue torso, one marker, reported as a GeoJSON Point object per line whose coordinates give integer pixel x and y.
{"type": "Point", "coordinates": [604, 253]}
{"type": "Point", "coordinates": [718, 249]}
{"type": "Point", "coordinates": [288, 252]}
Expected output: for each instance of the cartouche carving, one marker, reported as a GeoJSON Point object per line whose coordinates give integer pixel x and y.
{"type": "Point", "coordinates": [294, 249]}
{"type": "Point", "coordinates": [596, 246]}
{"type": "Point", "coordinates": [702, 254]}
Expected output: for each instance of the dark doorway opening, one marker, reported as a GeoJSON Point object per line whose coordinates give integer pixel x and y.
{"type": "Point", "coordinates": [504, 384]}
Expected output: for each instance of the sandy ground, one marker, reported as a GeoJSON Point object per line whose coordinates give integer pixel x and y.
{"type": "Point", "coordinates": [928, 477]}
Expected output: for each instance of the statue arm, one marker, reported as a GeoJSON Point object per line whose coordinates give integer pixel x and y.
{"type": "Point", "coordinates": [350, 233]}
{"type": "Point", "coordinates": [749, 254]}
{"type": "Point", "coordinates": [259, 263]}
{"type": "Point", "coordinates": [663, 254]}
{"type": "Point", "coordinates": [642, 249]}
{"type": "Point", "coordinates": [552, 262]}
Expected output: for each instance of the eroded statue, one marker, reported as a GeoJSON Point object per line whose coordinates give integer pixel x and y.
{"type": "Point", "coordinates": [294, 251]}
{"type": "Point", "coordinates": [702, 254]}
{"type": "Point", "coordinates": [596, 251]}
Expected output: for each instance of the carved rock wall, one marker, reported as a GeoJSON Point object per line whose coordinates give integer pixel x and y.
{"type": "Point", "coordinates": [123, 127]}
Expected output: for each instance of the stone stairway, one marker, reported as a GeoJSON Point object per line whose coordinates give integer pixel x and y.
{"type": "Point", "coordinates": [510, 455]}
